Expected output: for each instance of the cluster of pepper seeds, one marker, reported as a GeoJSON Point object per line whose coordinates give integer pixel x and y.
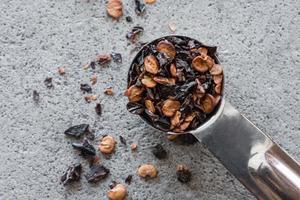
{"type": "Point", "coordinates": [175, 83]}
{"type": "Point", "coordinates": [107, 147]}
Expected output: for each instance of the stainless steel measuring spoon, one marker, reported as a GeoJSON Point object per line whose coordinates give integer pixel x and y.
{"type": "Point", "coordinates": [260, 164]}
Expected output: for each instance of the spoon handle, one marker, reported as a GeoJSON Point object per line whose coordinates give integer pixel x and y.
{"type": "Point", "coordinates": [260, 164]}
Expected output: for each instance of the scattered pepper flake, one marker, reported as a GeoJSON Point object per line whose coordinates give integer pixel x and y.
{"type": "Point", "coordinates": [97, 173]}
{"type": "Point", "coordinates": [149, 1]}
{"type": "Point", "coordinates": [114, 8]}
{"type": "Point", "coordinates": [72, 174]}
{"type": "Point", "coordinates": [172, 26]}
{"type": "Point", "coordinates": [128, 179]}
{"type": "Point", "coordinates": [140, 7]}
{"type": "Point", "coordinates": [118, 192]}
{"type": "Point", "coordinates": [147, 171]}
{"type": "Point", "coordinates": [93, 79]}
{"type": "Point", "coordinates": [35, 96]}
{"type": "Point", "coordinates": [107, 144]}
{"type": "Point", "coordinates": [48, 82]}
{"type": "Point", "coordinates": [133, 146]}
{"type": "Point", "coordinates": [103, 59]}
{"type": "Point", "coordinates": [90, 98]}
{"type": "Point", "coordinates": [86, 88]}
{"type": "Point", "coordinates": [109, 91]}
{"type": "Point", "coordinates": [61, 70]}
{"type": "Point", "coordinates": [159, 152]}
{"type": "Point", "coordinates": [98, 109]}
{"type": "Point", "coordinates": [122, 139]}
{"type": "Point", "coordinates": [183, 173]}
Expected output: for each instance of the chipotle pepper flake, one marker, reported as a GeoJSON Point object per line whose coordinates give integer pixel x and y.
{"type": "Point", "coordinates": [128, 179]}
{"type": "Point", "coordinates": [159, 152]}
{"type": "Point", "coordinates": [203, 51]}
{"type": "Point", "coordinates": [164, 80]}
{"type": "Point", "coordinates": [148, 82]}
{"type": "Point", "coordinates": [139, 7]}
{"type": "Point", "coordinates": [151, 64]}
{"type": "Point", "coordinates": [86, 87]}
{"type": "Point", "coordinates": [170, 107]}
{"type": "Point", "coordinates": [72, 174]}
{"type": "Point", "coordinates": [122, 139]}
{"type": "Point", "coordinates": [147, 171]}
{"type": "Point", "coordinates": [167, 48]}
{"type": "Point", "coordinates": [183, 173]}
{"type": "Point", "coordinates": [216, 69]}
{"type": "Point", "coordinates": [97, 173]}
{"type": "Point", "coordinates": [103, 59]}
{"type": "Point", "coordinates": [93, 79]}
{"type": "Point", "coordinates": [61, 70]}
{"type": "Point", "coordinates": [133, 35]}
{"type": "Point", "coordinates": [107, 144]}
{"type": "Point", "coordinates": [48, 82]}
{"type": "Point", "coordinates": [218, 79]}
{"type": "Point", "coordinates": [115, 8]}
{"type": "Point", "coordinates": [218, 88]}
{"type": "Point", "coordinates": [217, 99]}
{"type": "Point", "coordinates": [207, 104]}
{"type": "Point", "coordinates": [109, 91]}
{"type": "Point", "coordinates": [173, 70]}
{"type": "Point", "coordinates": [98, 109]}
{"type": "Point", "coordinates": [184, 125]}
{"type": "Point", "coordinates": [200, 63]}
{"type": "Point", "coordinates": [90, 98]}
{"type": "Point", "coordinates": [150, 106]}
{"type": "Point", "coordinates": [149, 1]}
{"type": "Point", "coordinates": [118, 192]}
{"type": "Point", "coordinates": [36, 96]}
{"type": "Point", "coordinates": [172, 26]}
{"type": "Point", "coordinates": [133, 146]}
{"type": "Point", "coordinates": [134, 93]}
{"type": "Point", "coordinates": [175, 120]}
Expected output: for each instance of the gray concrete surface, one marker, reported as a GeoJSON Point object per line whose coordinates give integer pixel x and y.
{"type": "Point", "coordinates": [258, 45]}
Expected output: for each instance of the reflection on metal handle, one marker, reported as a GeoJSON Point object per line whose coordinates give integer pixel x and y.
{"type": "Point", "coordinates": [251, 156]}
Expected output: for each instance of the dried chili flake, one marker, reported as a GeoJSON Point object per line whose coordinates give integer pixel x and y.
{"type": "Point", "coordinates": [86, 88]}
{"type": "Point", "coordinates": [123, 140]}
{"type": "Point", "coordinates": [103, 59]}
{"type": "Point", "coordinates": [97, 173]}
{"type": "Point", "coordinates": [117, 57]}
{"type": "Point", "coordinates": [72, 174]}
{"type": "Point", "coordinates": [98, 109]}
{"type": "Point", "coordinates": [149, 1]}
{"type": "Point", "coordinates": [128, 179]}
{"type": "Point", "coordinates": [133, 35]}
{"type": "Point", "coordinates": [35, 96]}
{"type": "Point", "coordinates": [172, 26]}
{"type": "Point", "coordinates": [135, 108]}
{"type": "Point", "coordinates": [183, 174]}
{"type": "Point", "coordinates": [128, 18]}
{"type": "Point", "coordinates": [109, 91]}
{"type": "Point", "coordinates": [90, 98]}
{"type": "Point", "coordinates": [159, 152]}
{"type": "Point", "coordinates": [78, 130]}
{"type": "Point", "coordinates": [48, 82]}
{"type": "Point", "coordinates": [140, 7]}
{"type": "Point", "coordinates": [86, 148]}
{"type": "Point", "coordinates": [93, 79]}
{"type": "Point", "coordinates": [61, 70]}
{"type": "Point", "coordinates": [115, 8]}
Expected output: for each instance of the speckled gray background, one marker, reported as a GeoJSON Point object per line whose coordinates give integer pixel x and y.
{"type": "Point", "coordinates": [258, 45]}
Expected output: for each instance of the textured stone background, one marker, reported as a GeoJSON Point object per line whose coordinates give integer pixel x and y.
{"type": "Point", "coordinates": [258, 45]}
